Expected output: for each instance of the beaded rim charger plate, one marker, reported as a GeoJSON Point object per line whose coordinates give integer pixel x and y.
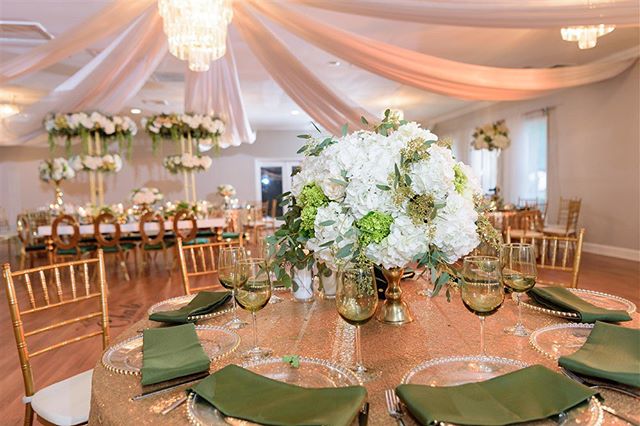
{"type": "Point", "coordinates": [180, 301]}
{"type": "Point", "coordinates": [458, 370]}
{"type": "Point", "coordinates": [558, 340]}
{"type": "Point", "coordinates": [597, 298]}
{"type": "Point", "coordinates": [312, 372]}
{"type": "Point", "coordinates": [126, 356]}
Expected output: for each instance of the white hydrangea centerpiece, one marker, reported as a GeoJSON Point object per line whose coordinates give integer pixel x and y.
{"type": "Point", "coordinates": [146, 196]}
{"type": "Point", "coordinates": [492, 136]}
{"type": "Point", "coordinates": [55, 170]}
{"type": "Point", "coordinates": [389, 196]}
{"type": "Point", "coordinates": [187, 162]}
{"type": "Point", "coordinates": [108, 163]}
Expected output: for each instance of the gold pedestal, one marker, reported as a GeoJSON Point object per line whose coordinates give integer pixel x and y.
{"type": "Point", "coordinates": [59, 200]}
{"type": "Point", "coordinates": [394, 311]}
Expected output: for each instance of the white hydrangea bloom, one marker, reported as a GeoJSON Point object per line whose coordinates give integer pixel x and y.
{"type": "Point", "coordinates": [363, 197]}
{"type": "Point", "coordinates": [435, 175]}
{"type": "Point", "coordinates": [472, 187]}
{"type": "Point", "coordinates": [404, 241]}
{"type": "Point", "coordinates": [455, 231]}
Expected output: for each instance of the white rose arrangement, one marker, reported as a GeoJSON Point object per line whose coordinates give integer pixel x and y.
{"type": "Point", "coordinates": [389, 196]}
{"type": "Point", "coordinates": [187, 162]}
{"type": "Point", "coordinates": [56, 170]}
{"type": "Point", "coordinates": [204, 129]}
{"type": "Point", "coordinates": [108, 163]}
{"type": "Point", "coordinates": [226, 190]}
{"type": "Point", "coordinates": [146, 195]}
{"type": "Point", "coordinates": [493, 136]}
{"type": "Point", "coordinates": [82, 125]}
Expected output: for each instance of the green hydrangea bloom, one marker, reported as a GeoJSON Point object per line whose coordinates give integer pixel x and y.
{"type": "Point", "coordinates": [312, 195]}
{"type": "Point", "coordinates": [374, 227]}
{"type": "Point", "coordinates": [460, 179]}
{"type": "Point", "coordinates": [308, 216]}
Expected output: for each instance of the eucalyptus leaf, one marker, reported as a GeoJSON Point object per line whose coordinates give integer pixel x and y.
{"type": "Point", "coordinates": [383, 187]}
{"type": "Point", "coordinates": [327, 223]}
{"type": "Point", "coordinates": [345, 251]}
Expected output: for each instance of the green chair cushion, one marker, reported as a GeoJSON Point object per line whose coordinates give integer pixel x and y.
{"type": "Point", "coordinates": [196, 241]}
{"type": "Point", "coordinates": [73, 251]}
{"type": "Point", "coordinates": [123, 247]}
{"type": "Point", "coordinates": [230, 235]}
{"type": "Point", "coordinates": [206, 234]}
{"type": "Point", "coordinates": [35, 247]}
{"type": "Point", "coordinates": [151, 247]}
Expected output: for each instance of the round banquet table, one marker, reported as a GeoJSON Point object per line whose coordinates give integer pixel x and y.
{"type": "Point", "coordinates": [440, 329]}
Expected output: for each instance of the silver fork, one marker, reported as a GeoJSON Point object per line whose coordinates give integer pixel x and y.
{"type": "Point", "coordinates": [393, 406]}
{"type": "Point", "coordinates": [580, 380]}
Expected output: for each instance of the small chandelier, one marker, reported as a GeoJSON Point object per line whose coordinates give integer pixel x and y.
{"type": "Point", "coordinates": [586, 36]}
{"type": "Point", "coordinates": [196, 29]}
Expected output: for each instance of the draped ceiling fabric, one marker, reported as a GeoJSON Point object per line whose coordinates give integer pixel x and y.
{"type": "Point", "coordinates": [106, 83]}
{"type": "Point", "coordinates": [320, 102]}
{"type": "Point", "coordinates": [218, 90]}
{"type": "Point", "coordinates": [110, 79]}
{"type": "Point", "coordinates": [494, 13]}
{"type": "Point", "coordinates": [108, 21]}
{"type": "Point", "coordinates": [450, 78]}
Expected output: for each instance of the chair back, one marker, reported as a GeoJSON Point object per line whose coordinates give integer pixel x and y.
{"type": "Point", "coordinates": [200, 259]}
{"type": "Point", "coordinates": [23, 229]}
{"type": "Point", "coordinates": [563, 209]}
{"type": "Point", "coordinates": [61, 288]}
{"type": "Point", "coordinates": [63, 240]}
{"type": "Point", "coordinates": [555, 253]}
{"type": "Point", "coordinates": [185, 215]}
{"type": "Point", "coordinates": [151, 217]}
{"type": "Point", "coordinates": [526, 220]}
{"type": "Point", "coordinates": [573, 214]}
{"type": "Point", "coordinates": [106, 239]}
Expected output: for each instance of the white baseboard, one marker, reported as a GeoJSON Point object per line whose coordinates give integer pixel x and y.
{"type": "Point", "coordinates": [612, 251]}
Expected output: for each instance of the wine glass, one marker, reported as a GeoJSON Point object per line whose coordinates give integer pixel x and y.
{"type": "Point", "coordinates": [253, 291]}
{"type": "Point", "coordinates": [268, 250]}
{"type": "Point", "coordinates": [356, 301]}
{"type": "Point", "coordinates": [228, 259]}
{"type": "Point", "coordinates": [518, 263]}
{"type": "Point", "coordinates": [482, 292]}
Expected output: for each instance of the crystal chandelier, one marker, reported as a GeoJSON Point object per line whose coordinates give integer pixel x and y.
{"type": "Point", "coordinates": [196, 29]}
{"type": "Point", "coordinates": [586, 36]}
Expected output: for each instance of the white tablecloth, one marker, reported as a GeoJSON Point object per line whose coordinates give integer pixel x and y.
{"type": "Point", "coordinates": [44, 231]}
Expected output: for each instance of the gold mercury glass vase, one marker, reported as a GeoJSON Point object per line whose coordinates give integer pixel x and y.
{"type": "Point", "coordinates": [394, 311]}
{"type": "Point", "coordinates": [59, 201]}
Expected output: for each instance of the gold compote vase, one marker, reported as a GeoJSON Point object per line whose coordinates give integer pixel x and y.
{"type": "Point", "coordinates": [394, 311]}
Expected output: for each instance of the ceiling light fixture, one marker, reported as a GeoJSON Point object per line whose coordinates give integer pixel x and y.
{"type": "Point", "coordinates": [334, 63]}
{"type": "Point", "coordinates": [136, 111]}
{"type": "Point", "coordinates": [7, 110]}
{"type": "Point", "coordinates": [196, 29]}
{"type": "Point", "coordinates": [295, 112]}
{"type": "Point", "coordinates": [587, 35]}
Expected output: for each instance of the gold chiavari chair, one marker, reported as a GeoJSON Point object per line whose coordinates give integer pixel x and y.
{"type": "Point", "coordinates": [188, 235]}
{"type": "Point", "coordinates": [30, 247]}
{"type": "Point", "coordinates": [197, 260]}
{"type": "Point", "coordinates": [67, 245]}
{"type": "Point", "coordinates": [68, 288]}
{"type": "Point", "coordinates": [156, 243]}
{"type": "Point", "coordinates": [560, 254]}
{"type": "Point", "coordinates": [110, 242]}
{"type": "Point", "coordinates": [526, 224]}
{"type": "Point", "coordinates": [570, 226]}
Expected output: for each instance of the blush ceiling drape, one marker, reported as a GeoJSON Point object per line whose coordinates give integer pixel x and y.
{"type": "Point", "coordinates": [111, 20]}
{"type": "Point", "coordinates": [494, 13]}
{"type": "Point", "coordinates": [218, 90]}
{"type": "Point", "coordinates": [450, 78]}
{"type": "Point", "coordinates": [106, 83]}
{"type": "Point", "coordinates": [320, 102]}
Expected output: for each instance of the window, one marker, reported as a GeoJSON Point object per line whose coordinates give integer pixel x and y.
{"type": "Point", "coordinates": [533, 176]}
{"type": "Point", "coordinates": [274, 178]}
{"type": "Point", "coordinates": [485, 164]}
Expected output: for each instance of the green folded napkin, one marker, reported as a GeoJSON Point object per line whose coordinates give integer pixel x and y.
{"type": "Point", "coordinates": [611, 352]}
{"type": "Point", "coordinates": [528, 394]}
{"type": "Point", "coordinates": [239, 393]}
{"type": "Point", "coordinates": [205, 302]}
{"type": "Point", "coordinates": [171, 352]}
{"type": "Point", "coordinates": [561, 298]}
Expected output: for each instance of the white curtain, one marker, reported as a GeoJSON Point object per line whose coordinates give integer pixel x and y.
{"type": "Point", "coordinates": [112, 19]}
{"type": "Point", "coordinates": [494, 13]}
{"type": "Point", "coordinates": [532, 182]}
{"type": "Point", "coordinates": [218, 91]}
{"type": "Point", "coordinates": [330, 109]}
{"type": "Point", "coordinates": [451, 78]}
{"type": "Point", "coordinates": [106, 83]}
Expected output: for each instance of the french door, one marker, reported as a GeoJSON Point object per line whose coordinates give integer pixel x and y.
{"type": "Point", "coordinates": [273, 178]}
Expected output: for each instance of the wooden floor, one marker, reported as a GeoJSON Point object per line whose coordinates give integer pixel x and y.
{"type": "Point", "coordinates": [128, 302]}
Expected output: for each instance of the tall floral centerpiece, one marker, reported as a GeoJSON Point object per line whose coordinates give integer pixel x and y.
{"type": "Point", "coordinates": [389, 196]}
{"type": "Point", "coordinates": [226, 191]}
{"type": "Point", "coordinates": [56, 170]}
{"type": "Point", "coordinates": [195, 133]}
{"type": "Point", "coordinates": [492, 136]}
{"type": "Point", "coordinates": [96, 131]}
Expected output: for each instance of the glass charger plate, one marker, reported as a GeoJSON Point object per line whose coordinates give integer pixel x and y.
{"type": "Point", "coordinates": [452, 371]}
{"type": "Point", "coordinates": [312, 373]}
{"type": "Point", "coordinates": [559, 340]}
{"type": "Point", "coordinates": [602, 300]}
{"type": "Point", "coordinates": [180, 301]}
{"type": "Point", "coordinates": [126, 356]}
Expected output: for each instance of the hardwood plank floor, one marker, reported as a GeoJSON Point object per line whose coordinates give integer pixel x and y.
{"type": "Point", "coordinates": [128, 302]}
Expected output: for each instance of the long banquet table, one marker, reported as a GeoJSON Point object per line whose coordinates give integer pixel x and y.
{"type": "Point", "coordinates": [45, 231]}
{"type": "Point", "coordinates": [440, 329]}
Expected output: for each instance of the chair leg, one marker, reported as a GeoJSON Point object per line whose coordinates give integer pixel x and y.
{"type": "Point", "coordinates": [121, 260]}
{"type": "Point", "coordinates": [28, 415]}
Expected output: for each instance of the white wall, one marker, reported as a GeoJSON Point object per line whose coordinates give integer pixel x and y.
{"type": "Point", "coordinates": [21, 189]}
{"type": "Point", "coordinates": [594, 153]}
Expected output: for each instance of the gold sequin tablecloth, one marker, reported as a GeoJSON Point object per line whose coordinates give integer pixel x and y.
{"type": "Point", "coordinates": [440, 329]}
